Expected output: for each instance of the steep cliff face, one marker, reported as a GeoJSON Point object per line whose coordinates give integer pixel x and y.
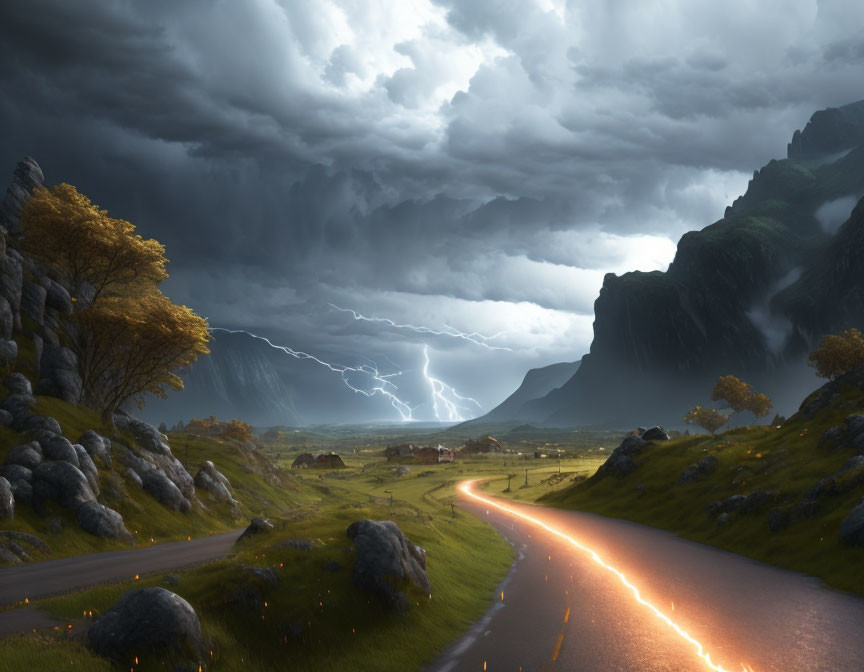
{"type": "Point", "coordinates": [747, 295]}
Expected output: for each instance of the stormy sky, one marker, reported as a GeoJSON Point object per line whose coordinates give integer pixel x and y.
{"type": "Point", "coordinates": [471, 164]}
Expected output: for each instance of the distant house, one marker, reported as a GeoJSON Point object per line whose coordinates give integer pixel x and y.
{"type": "Point", "coordinates": [403, 451]}
{"type": "Point", "coordinates": [329, 460]}
{"type": "Point", "coordinates": [434, 455]}
{"type": "Point", "coordinates": [487, 444]}
{"type": "Point", "coordinates": [303, 461]}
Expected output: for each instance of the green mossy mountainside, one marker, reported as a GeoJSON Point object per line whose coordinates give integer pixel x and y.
{"type": "Point", "coordinates": [776, 494]}
{"type": "Point", "coordinates": [749, 295]}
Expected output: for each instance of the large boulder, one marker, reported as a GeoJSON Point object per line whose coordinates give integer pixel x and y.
{"type": "Point", "coordinates": [42, 422]}
{"type": "Point", "coordinates": [57, 298]}
{"type": "Point", "coordinates": [656, 433]}
{"type": "Point", "coordinates": [56, 447]}
{"type": "Point", "coordinates": [149, 621]}
{"type": "Point", "coordinates": [33, 301]}
{"type": "Point", "coordinates": [26, 178]}
{"type": "Point", "coordinates": [11, 277]}
{"type": "Point", "coordinates": [7, 499]}
{"type": "Point", "coordinates": [620, 462]}
{"type": "Point", "coordinates": [696, 472]}
{"type": "Point", "coordinates": [19, 407]}
{"type": "Point", "coordinates": [387, 563]}
{"type": "Point", "coordinates": [256, 526]}
{"type": "Point", "coordinates": [87, 467]}
{"type": "Point", "coordinates": [8, 352]}
{"type": "Point", "coordinates": [17, 383]}
{"type": "Point", "coordinates": [215, 482]}
{"type": "Point", "coordinates": [58, 374]}
{"type": "Point", "coordinates": [146, 435]}
{"type": "Point", "coordinates": [63, 482]}
{"type": "Point", "coordinates": [101, 521]}
{"type": "Point", "coordinates": [164, 491]}
{"type": "Point", "coordinates": [157, 452]}
{"type": "Point", "coordinates": [27, 455]}
{"type": "Point", "coordinates": [852, 528]}
{"type": "Point", "coordinates": [98, 447]}
{"type": "Point", "coordinates": [21, 480]}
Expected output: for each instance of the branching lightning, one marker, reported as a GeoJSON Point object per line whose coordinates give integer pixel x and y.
{"type": "Point", "coordinates": [472, 337]}
{"type": "Point", "coordinates": [444, 398]}
{"type": "Point", "coordinates": [380, 384]}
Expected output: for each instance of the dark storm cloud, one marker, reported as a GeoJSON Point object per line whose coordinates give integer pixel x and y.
{"type": "Point", "coordinates": [460, 162]}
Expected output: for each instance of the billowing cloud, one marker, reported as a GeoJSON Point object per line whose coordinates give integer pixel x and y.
{"type": "Point", "coordinates": [470, 162]}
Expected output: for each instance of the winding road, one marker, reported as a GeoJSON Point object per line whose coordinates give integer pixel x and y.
{"type": "Point", "coordinates": [63, 575]}
{"type": "Point", "coordinates": [564, 609]}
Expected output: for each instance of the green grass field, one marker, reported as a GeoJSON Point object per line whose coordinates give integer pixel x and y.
{"type": "Point", "coordinates": [784, 461]}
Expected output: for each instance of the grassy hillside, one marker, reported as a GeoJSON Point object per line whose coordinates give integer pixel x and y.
{"type": "Point", "coordinates": [315, 618]}
{"type": "Point", "coordinates": [784, 462]}
{"type": "Point", "coordinates": [260, 489]}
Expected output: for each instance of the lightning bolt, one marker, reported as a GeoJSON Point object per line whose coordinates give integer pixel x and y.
{"type": "Point", "coordinates": [472, 337]}
{"type": "Point", "coordinates": [380, 383]}
{"type": "Point", "coordinates": [444, 398]}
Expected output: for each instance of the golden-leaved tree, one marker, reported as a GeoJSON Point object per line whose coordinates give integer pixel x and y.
{"type": "Point", "coordinates": [64, 229]}
{"type": "Point", "coordinates": [129, 338]}
{"type": "Point", "coordinates": [838, 354]}
{"type": "Point", "coordinates": [740, 396]}
{"type": "Point", "coordinates": [707, 418]}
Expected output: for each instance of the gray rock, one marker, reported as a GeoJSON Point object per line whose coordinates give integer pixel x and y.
{"type": "Point", "coordinates": [723, 519]}
{"type": "Point", "coordinates": [26, 178]}
{"type": "Point", "coordinates": [5, 418]}
{"type": "Point", "coordinates": [213, 481]}
{"type": "Point", "coordinates": [146, 435]}
{"type": "Point", "coordinates": [87, 467]}
{"type": "Point", "coordinates": [7, 499]}
{"type": "Point", "coordinates": [11, 276]}
{"type": "Point", "coordinates": [33, 301]}
{"type": "Point", "coordinates": [21, 480]}
{"type": "Point", "coordinates": [162, 489]}
{"type": "Point", "coordinates": [17, 383]}
{"type": "Point", "coordinates": [8, 352]}
{"type": "Point", "coordinates": [42, 422]}
{"type": "Point", "coordinates": [620, 462]}
{"type": "Point", "coordinates": [7, 319]}
{"type": "Point", "coordinates": [402, 470]}
{"type": "Point", "coordinates": [696, 472]}
{"type": "Point", "coordinates": [98, 447]}
{"type": "Point", "coordinates": [157, 453]}
{"type": "Point", "coordinates": [57, 448]}
{"type": "Point", "coordinates": [61, 481]}
{"type": "Point", "coordinates": [19, 407]}
{"type": "Point", "coordinates": [257, 526]}
{"type": "Point", "coordinates": [852, 528]}
{"type": "Point", "coordinates": [387, 562]}
{"type": "Point", "coordinates": [101, 521]}
{"type": "Point", "coordinates": [748, 503]}
{"type": "Point", "coordinates": [151, 620]}
{"type": "Point", "coordinates": [58, 298]}
{"type": "Point", "coordinates": [779, 519]}
{"type": "Point", "coordinates": [27, 455]}
{"type": "Point", "coordinates": [656, 433]}
{"type": "Point", "coordinates": [58, 374]}
{"type": "Point", "coordinates": [134, 477]}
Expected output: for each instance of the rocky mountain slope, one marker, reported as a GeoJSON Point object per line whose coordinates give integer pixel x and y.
{"type": "Point", "coordinates": [521, 406]}
{"type": "Point", "coordinates": [749, 295]}
{"type": "Point", "coordinates": [59, 472]}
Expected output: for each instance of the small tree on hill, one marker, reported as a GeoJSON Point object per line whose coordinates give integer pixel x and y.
{"type": "Point", "coordinates": [707, 418]}
{"type": "Point", "coordinates": [838, 354]}
{"type": "Point", "coordinates": [63, 228]}
{"type": "Point", "coordinates": [740, 396]}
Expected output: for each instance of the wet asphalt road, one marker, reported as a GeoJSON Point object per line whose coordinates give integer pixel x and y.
{"type": "Point", "coordinates": [562, 611]}
{"type": "Point", "coordinates": [63, 575]}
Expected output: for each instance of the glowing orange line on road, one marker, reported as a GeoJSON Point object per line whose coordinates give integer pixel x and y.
{"type": "Point", "coordinates": [465, 487]}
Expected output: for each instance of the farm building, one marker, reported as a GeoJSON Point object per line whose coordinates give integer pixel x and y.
{"type": "Point", "coordinates": [303, 461]}
{"type": "Point", "coordinates": [433, 455]}
{"type": "Point", "coordinates": [485, 445]}
{"type": "Point", "coordinates": [403, 451]}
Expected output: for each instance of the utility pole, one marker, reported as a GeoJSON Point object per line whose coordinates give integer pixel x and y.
{"type": "Point", "coordinates": [526, 477]}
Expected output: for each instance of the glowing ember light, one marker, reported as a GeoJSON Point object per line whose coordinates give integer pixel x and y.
{"type": "Point", "coordinates": [465, 488]}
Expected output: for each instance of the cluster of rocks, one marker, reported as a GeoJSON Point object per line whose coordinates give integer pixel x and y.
{"type": "Point", "coordinates": [749, 503]}
{"type": "Point", "coordinates": [387, 563]}
{"type": "Point", "coordinates": [848, 436]}
{"type": "Point", "coordinates": [699, 470]}
{"type": "Point", "coordinates": [621, 462]}
{"type": "Point", "coordinates": [49, 468]}
{"type": "Point", "coordinates": [13, 546]}
{"type": "Point", "coordinates": [217, 484]}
